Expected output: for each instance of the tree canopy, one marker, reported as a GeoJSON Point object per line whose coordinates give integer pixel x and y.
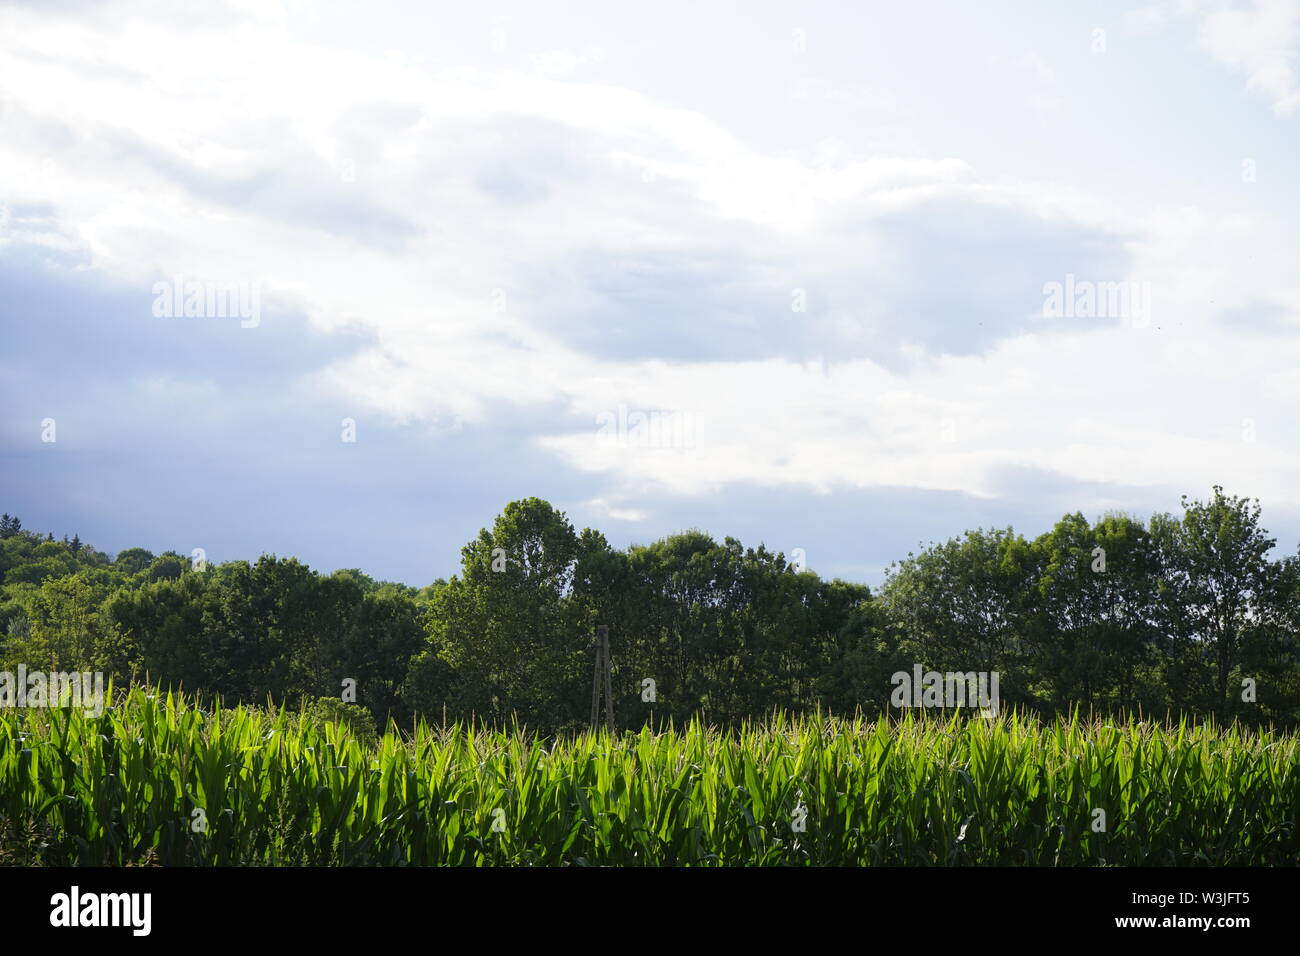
{"type": "Point", "coordinates": [1189, 614]}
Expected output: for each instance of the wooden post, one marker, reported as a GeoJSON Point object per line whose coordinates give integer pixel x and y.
{"type": "Point", "coordinates": [595, 685]}
{"type": "Point", "coordinates": [602, 681]}
{"type": "Point", "coordinates": [603, 631]}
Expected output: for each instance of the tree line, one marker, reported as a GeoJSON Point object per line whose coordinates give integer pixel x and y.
{"type": "Point", "coordinates": [1188, 615]}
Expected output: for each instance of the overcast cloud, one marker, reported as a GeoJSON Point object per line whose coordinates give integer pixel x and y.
{"type": "Point", "coordinates": [781, 275]}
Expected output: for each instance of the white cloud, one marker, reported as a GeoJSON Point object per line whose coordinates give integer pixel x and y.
{"type": "Point", "coordinates": [1264, 43]}
{"type": "Point", "coordinates": [1260, 40]}
{"type": "Point", "coordinates": [487, 225]}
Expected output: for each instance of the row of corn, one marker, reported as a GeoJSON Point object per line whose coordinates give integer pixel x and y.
{"type": "Point", "coordinates": [165, 779]}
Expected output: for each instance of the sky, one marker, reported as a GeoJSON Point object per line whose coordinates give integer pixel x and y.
{"type": "Point", "coordinates": [340, 280]}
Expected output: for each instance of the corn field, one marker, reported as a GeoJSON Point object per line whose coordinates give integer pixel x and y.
{"type": "Point", "coordinates": [164, 780]}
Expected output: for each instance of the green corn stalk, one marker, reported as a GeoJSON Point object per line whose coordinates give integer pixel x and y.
{"type": "Point", "coordinates": [174, 780]}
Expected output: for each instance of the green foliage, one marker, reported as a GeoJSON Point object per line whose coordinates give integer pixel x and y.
{"type": "Point", "coordinates": [333, 710]}
{"type": "Point", "coordinates": [271, 629]}
{"type": "Point", "coordinates": [133, 560]}
{"type": "Point", "coordinates": [60, 626]}
{"type": "Point", "coordinates": [274, 788]}
{"type": "Point", "coordinates": [1180, 616]}
{"type": "Point", "coordinates": [504, 626]}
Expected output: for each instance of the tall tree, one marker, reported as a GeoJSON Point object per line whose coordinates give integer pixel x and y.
{"type": "Point", "coordinates": [1221, 588]}
{"type": "Point", "coordinates": [1096, 631]}
{"type": "Point", "coordinates": [503, 625]}
{"type": "Point", "coordinates": [965, 605]}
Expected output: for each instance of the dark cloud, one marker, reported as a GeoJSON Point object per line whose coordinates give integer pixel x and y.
{"type": "Point", "coordinates": [233, 453]}
{"type": "Point", "coordinates": [953, 276]}
{"type": "Point", "coordinates": [183, 433]}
